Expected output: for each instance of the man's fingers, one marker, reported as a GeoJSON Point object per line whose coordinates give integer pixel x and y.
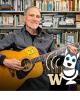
{"type": "Point", "coordinates": [72, 49]}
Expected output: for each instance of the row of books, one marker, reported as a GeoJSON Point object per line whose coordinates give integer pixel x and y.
{"type": "Point", "coordinates": [56, 21]}
{"type": "Point", "coordinates": [11, 20]}
{"type": "Point", "coordinates": [68, 37]}
{"type": "Point", "coordinates": [21, 5]}
{"type": "Point", "coordinates": [44, 5]}
{"type": "Point", "coordinates": [59, 37]}
{"type": "Point", "coordinates": [58, 5]}
{"type": "Point", "coordinates": [18, 5]}
{"type": "Point", "coordinates": [7, 2]}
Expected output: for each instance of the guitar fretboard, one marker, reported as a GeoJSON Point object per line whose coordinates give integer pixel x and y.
{"type": "Point", "coordinates": [43, 57]}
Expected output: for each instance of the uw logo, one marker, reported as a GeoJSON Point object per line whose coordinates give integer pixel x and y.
{"type": "Point", "coordinates": [55, 71]}
{"type": "Point", "coordinates": [54, 79]}
{"type": "Point", "coordinates": [65, 70]}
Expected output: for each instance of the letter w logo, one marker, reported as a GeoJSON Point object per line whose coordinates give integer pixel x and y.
{"type": "Point", "coordinates": [56, 79]}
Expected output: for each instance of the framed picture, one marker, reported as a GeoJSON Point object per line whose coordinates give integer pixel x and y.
{"type": "Point", "coordinates": [70, 38]}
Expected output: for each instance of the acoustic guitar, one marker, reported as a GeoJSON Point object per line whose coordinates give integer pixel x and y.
{"type": "Point", "coordinates": [31, 62]}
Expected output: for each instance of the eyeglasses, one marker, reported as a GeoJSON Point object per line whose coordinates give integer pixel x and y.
{"type": "Point", "coordinates": [32, 15]}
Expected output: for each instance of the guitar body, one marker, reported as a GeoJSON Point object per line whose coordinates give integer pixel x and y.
{"type": "Point", "coordinates": [9, 79]}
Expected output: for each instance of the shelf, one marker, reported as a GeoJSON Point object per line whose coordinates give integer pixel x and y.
{"type": "Point", "coordinates": [10, 27]}
{"type": "Point", "coordinates": [52, 12]}
{"type": "Point", "coordinates": [11, 12]}
{"type": "Point", "coordinates": [42, 12]}
{"type": "Point", "coordinates": [63, 28]}
{"type": "Point", "coordinates": [19, 27]}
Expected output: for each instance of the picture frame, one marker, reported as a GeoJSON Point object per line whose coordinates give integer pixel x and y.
{"type": "Point", "coordinates": [70, 38]}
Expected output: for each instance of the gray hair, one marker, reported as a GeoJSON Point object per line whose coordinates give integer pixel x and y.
{"type": "Point", "coordinates": [28, 8]}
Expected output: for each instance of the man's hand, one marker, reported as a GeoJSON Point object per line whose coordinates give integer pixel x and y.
{"type": "Point", "coordinates": [13, 64]}
{"type": "Point", "coordinates": [72, 49]}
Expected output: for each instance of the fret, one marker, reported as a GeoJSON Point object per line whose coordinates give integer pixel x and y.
{"type": "Point", "coordinates": [53, 53]}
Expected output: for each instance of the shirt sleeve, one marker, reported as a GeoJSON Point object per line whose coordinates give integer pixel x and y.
{"type": "Point", "coordinates": [2, 57]}
{"type": "Point", "coordinates": [5, 42]}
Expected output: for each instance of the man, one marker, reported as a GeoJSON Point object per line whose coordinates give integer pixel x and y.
{"type": "Point", "coordinates": [30, 34]}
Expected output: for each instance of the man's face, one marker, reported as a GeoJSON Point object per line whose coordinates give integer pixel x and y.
{"type": "Point", "coordinates": [32, 18]}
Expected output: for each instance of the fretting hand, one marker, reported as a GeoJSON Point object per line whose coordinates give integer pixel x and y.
{"type": "Point", "coordinates": [72, 49]}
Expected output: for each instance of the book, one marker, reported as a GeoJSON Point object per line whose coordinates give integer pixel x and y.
{"type": "Point", "coordinates": [39, 4]}
{"type": "Point", "coordinates": [47, 21]}
{"type": "Point", "coordinates": [63, 5]}
{"type": "Point", "coordinates": [1, 20]}
{"type": "Point", "coordinates": [70, 5]}
{"type": "Point", "coordinates": [76, 5]}
{"type": "Point", "coordinates": [44, 5]}
{"type": "Point", "coordinates": [57, 5]}
{"type": "Point", "coordinates": [10, 20]}
{"type": "Point", "coordinates": [70, 37]}
{"type": "Point", "coordinates": [50, 5]}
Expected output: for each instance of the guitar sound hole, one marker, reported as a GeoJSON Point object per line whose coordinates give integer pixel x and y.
{"type": "Point", "coordinates": [26, 64]}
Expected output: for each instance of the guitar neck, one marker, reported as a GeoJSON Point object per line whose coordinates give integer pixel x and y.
{"type": "Point", "coordinates": [43, 57]}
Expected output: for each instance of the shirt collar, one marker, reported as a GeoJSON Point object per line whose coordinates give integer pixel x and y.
{"type": "Point", "coordinates": [38, 29]}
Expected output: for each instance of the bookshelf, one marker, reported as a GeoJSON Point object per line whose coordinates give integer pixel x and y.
{"type": "Point", "coordinates": [56, 15]}
{"type": "Point", "coordinates": [11, 14]}
{"type": "Point", "coordinates": [60, 16]}
{"type": "Point", "coordinates": [53, 13]}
